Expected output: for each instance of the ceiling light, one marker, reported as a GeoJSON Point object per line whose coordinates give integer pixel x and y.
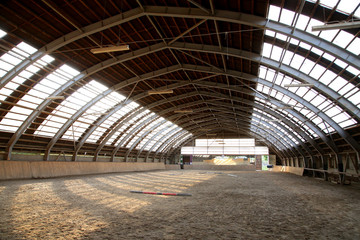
{"type": "Point", "coordinates": [110, 49]}
{"type": "Point", "coordinates": [343, 25]}
{"type": "Point", "coordinates": [153, 92]}
{"type": "Point", "coordinates": [285, 107]}
{"type": "Point", "coordinates": [183, 111]}
{"type": "Point", "coordinates": [56, 97]}
{"type": "Point", "coordinates": [299, 85]}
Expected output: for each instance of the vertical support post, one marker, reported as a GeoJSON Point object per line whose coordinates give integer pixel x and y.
{"type": "Point", "coordinates": [312, 165]}
{"type": "Point", "coordinates": [340, 166]}
{"type": "Point", "coordinates": [325, 168]}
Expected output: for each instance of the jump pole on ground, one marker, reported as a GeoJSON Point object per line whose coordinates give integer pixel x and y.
{"type": "Point", "coordinates": [159, 193]}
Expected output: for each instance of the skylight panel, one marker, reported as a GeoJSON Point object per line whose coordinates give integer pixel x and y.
{"type": "Point", "coordinates": [355, 98]}
{"type": "Point", "coordinates": [279, 96]}
{"type": "Point", "coordinates": [46, 60]}
{"type": "Point", "coordinates": [158, 131]}
{"type": "Point", "coordinates": [31, 101]}
{"type": "Point", "coordinates": [270, 75]}
{"type": "Point", "coordinates": [266, 50]}
{"type": "Point", "coordinates": [9, 60]}
{"type": "Point", "coordinates": [333, 111]}
{"type": "Point", "coordinates": [288, 57]}
{"type": "Point", "coordinates": [326, 128]}
{"type": "Point", "coordinates": [329, 57]}
{"type": "Point", "coordinates": [282, 37]}
{"type": "Point", "coordinates": [328, 35]}
{"type": "Point", "coordinates": [353, 70]}
{"type": "Point", "coordinates": [24, 49]}
{"type": "Point", "coordinates": [2, 33]}
{"type": "Point", "coordinates": [319, 99]}
{"type": "Point", "coordinates": [276, 53]}
{"type": "Point", "coordinates": [4, 92]}
{"type": "Point", "coordinates": [343, 39]}
{"type": "Point", "coordinates": [305, 45]}
{"type": "Point", "coordinates": [317, 51]}
{"type": "Point", "coordinates": [302, 91]}
{"type": "Point", "coordinates": [317, 71]}
{"type": "Point", "coordinates": [294, 41]}
{"type": "Point", "coordinates": [69, 70]}
{"type": "Point", "coordinates": [262, 72]}
{"type": "Point", "coordinates": [72, 103]}
{"type": "Point", "coordinates": [313, 22]}
{"type": "Point", "coordinates": [270, 33]}
{"type": "Point", "coordinates": [310, 114]}
{"type": "Point", "coordinates": [341, 117]}
{"type": "Point", "coordinates": [338, 83]}
{"type": "Point", "coordinates": [302, 22]}
{"type": "Point", "coordinates": [14, 118]}
{"type": "Point", "coordinates": [348, 6]}
{"type": "Point", "coordinates": [347, 123]}
{"type": "Point", "coordinates": [354, 46]}
{"type": "Point", "coordinates": [307, 66]}
{"type": "Point", "coordinates": [348, 90]}
{"type": "Point", "coordinates": [274, 13]}
{"type": "Point", "coordinates": [287, 16]}
{"type": "Point", "coordinates": [304, 111]}
{"type": "Point", "coordinates": [279, 79]}
{"type": "Point", "coordinates": [22, 76]}
{"type": "Point", "coordinates": [327, 77]}
{"type": "Point", "coordinates": [273, 93]}
{"type": "Point", "coordinates": [297, 61]}
{"type": "Point", "coordinates": [325, 104]}
{"type": "Point", "coordinates": [310, 95]}
{"type": "Point", "coordinates": [162, 136]}
{"type": "Point", "coordinates": [328, 3]}
{"type": "Point", "coordinates": [357, 13]}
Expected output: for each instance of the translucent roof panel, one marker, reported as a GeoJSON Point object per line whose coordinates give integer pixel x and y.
{"type": "Point", "coordinates": [130, 125]}
{"type": "Point", "coordinates": [138, 128]}
{"type": "Point", "coordinates": [159, 137]}
{"type": "Point", "coordinates": [98, 118]}
{"type": "Point", "coordinates": [83, 96]}
{"type": "Point", "coordinates": [340, 38]}
{"type": "Point", "coordinates": [149, 134]}
{"type": "Point", "coordinates": [272, 130]}
{"type": "Point", "coordinates": [289, 117]}
{"type": "Point", "coordinates": [148, 130]}
{"type": "Point", "coordinates": [97, 111]}
{"type": "Point", "coordinates": [31, 99]}
{"type": "Point", "coordinates": [345, 6]}
{"type": "Point", "coordinates": [118, 116]}
{"type": "Point", "coordinates": [276, 124]}
{"type": "Point", "coordinates": [326, 76]}
{"type": "Point", "coordinates": [181, 139]}
{"type": "Point", "coordinates": [2, 33]}
{"type": "Point", "coordinates": [159, 146]}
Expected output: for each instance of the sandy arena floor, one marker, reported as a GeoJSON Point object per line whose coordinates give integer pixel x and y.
{"type": "Point", "coordinates": [223, 205]}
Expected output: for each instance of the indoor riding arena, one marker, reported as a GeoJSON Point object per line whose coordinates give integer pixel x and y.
{"type": "Point", "coordinates": [179, 119]}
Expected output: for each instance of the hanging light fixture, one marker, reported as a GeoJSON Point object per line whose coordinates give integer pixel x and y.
{"type": "Point", "coordinates": [183, 111]}
{"type": "Point", "coordinates": [110, 49]}
{"type": "Point", "coordinates": [299, 85]}
{"type": "Point", "coordinates": [167, 91]}
{"type": "Point", "coordinates": [335, 26]}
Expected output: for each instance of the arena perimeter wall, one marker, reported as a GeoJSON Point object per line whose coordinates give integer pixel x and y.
{"type": "Point", "coordinates": [41, 169]}
{"type": "Point", "coordinates": [294, 170]}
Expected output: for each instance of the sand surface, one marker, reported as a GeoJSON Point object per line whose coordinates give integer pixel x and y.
{"type": "Point", "coordinates": [223, 205]}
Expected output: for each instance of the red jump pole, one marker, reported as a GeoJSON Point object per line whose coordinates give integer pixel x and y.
{"type": "Point", "coordinates": [159, 193]}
